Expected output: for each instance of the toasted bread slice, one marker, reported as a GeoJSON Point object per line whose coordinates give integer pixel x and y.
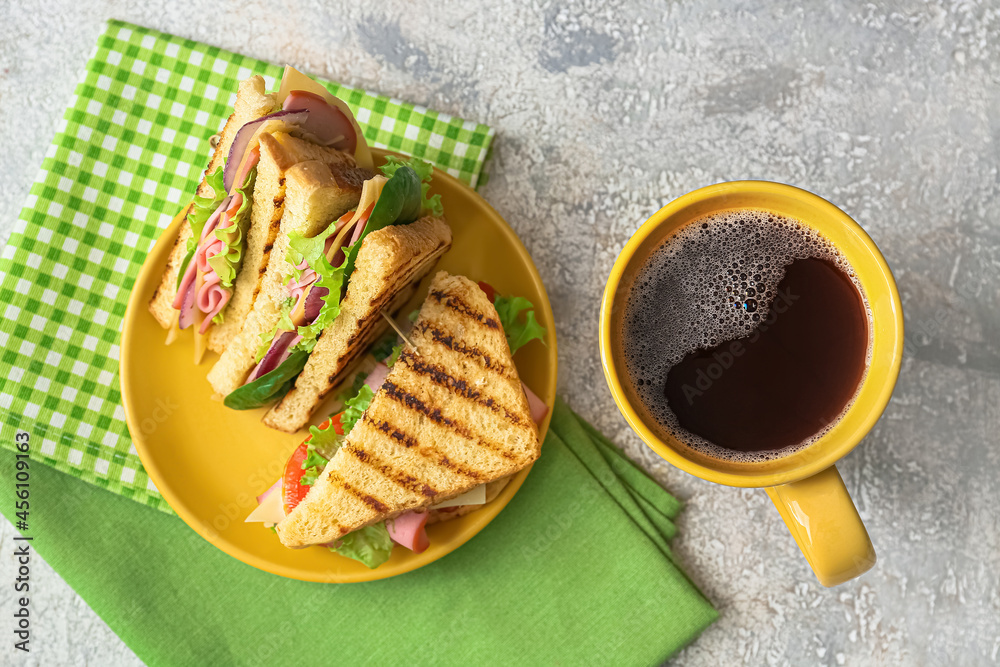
{"type": "Point", "coordinates": [251, 103]}
{"type": "Point", "coordinates": [315, 193]}
{"type": "Point", "coordinates": [450, 415]}
{"type": "Point", "coordinates": [278, 153]}
{"type": "Point", "coordinates": [390, 263]}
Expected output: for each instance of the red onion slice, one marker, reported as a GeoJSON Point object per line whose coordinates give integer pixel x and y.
{"type": "Point", "coordinates": [277, 353]}
{"type": "Point", "coordinates": [314, 303]}
{"type": "Point", "coordinates": [340, 255]}
{"type": "Point", "coordinates": [241, 142]}
{"type": "Point", "coordinates": [326, 124]}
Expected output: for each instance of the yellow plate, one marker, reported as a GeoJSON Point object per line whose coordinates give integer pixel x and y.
{"type": "Point", "coordinates": [210, 462]}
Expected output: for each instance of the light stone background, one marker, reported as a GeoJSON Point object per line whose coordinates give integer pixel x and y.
{"type": "Point", "coordinates": [605, 111]}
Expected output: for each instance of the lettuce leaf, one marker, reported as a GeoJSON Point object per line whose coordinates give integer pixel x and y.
{"type": "Point", "coordinates": [228, 262]}
{"type": "Point", "coordinates": [314, 461]}
{"type": "Point", "coordinates": [398, 204]}
{"type": "Point", "coordinates": [325, 442]}
{"type": "Point", "coordinates": [383, 348]}
{"type": "Point", "coordinates": [311, 474]}
{"type": "Point", "coordinates": [284, 322]}
{"type": "Point", "coordinates": [424, 171]}
{"type": "Point", "coordinates": [519, 333]}
{"type": "Point", "coordinates": [394, 357]}
{"type": "Point", "coordinates": [370, 545]}
{"type": "Point", "coordinates": [331, 277]}
{"type": "Point", "coordinates": [359, 381]}
{"type": "Point", "coordinates": [202, 209]}
{"type": "Point", "coordinates": [313, 457]}
{"type": "Point", "coordinates": [355, 408]}
{"type": "Point", "coordinates": [268, 386]}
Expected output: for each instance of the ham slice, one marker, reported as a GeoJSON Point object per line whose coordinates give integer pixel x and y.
{"type": "Point", "coordinates": [186, 293]}
{"type": "Point", "coordinates": [409, 530]}
{"type": "Point", "coordinates": [535, 404]}
{"type": "Point", "coordinates": [274, 487]}
{"type": "Point", "coordinates": [377, 376]}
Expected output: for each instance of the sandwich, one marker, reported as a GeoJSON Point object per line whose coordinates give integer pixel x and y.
{"type": "Point", "coordinates": [331, 284]}
{"type": "Point", "coordinates": [215, 270]}
{"type": "Point", "coordinates": [432, 433]}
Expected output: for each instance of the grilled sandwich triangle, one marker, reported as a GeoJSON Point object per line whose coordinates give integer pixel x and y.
{"type": "Point", "coordinates": [449, 416]}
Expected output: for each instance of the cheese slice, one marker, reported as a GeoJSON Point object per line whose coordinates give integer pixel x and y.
{"type": "Point", "coordinates": [293, 79]}
{"type": "Point", "coordinates": [475, 496]}
{"type": "Point", "coordinates": [269, 512]}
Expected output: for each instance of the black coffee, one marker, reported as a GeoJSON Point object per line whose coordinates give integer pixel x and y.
{"type": "Point", "coordinates": [745, 335]}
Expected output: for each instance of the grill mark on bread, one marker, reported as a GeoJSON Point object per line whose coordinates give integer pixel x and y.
{"type": "Point", "coordinates": [408, 482]}
{"type": "Point", "coordinates": [454, 303]}
{"type": "Point", "coordinates": [443, 378]}
{"type": "Point", "coordinates": [411, 443]}
{"type": "Point", "coordinates": [374, 503]}
{"type": "Point", "coordinates": [458, 346]}
{"type": "Point", "coordinates": [400, 395]}
{"type": "Point", "coordinates": [402, 438]}
{"type": "Point", "coordinates": [408, 441]}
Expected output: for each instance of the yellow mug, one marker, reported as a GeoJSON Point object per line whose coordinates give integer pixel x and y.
{"type": "Point", "coordinates": [804, 485]}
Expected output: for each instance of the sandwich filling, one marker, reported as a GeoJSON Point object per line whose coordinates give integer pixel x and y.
{"type": "Point", "coordinates": [219, 223]}
{"type": "Point", "coordinates": [321, 268]}
{"type": "Point", "coordinates": [372, 545]}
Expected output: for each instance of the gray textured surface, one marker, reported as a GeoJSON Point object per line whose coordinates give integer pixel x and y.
{"type": "Point", "coordinates": [604, 111]}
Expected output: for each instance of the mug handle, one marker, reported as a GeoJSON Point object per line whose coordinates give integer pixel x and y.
{"type": "Point", "coordinates": [822, 518]}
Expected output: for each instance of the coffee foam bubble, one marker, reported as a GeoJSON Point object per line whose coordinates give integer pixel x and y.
{"type": "Point", "coordinates": [712, 281]}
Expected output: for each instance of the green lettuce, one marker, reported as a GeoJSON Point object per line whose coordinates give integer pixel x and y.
{"type": "Point", "coordinates": [284, 322]}
{"type": "Point", "coordinates": [355, 408]}
{"type": "Point", "coordinates": [228, 262]}
{"type": "Point", "coordinates": [387, 349]}
{"type": "Point", "coordinates": [331, 277]}
{"type": "Point", "coordinates": [519, 333]}
{"type": "Point", "coordinates": [424, 171]}
{"type": "Point", "coordinates": [370, 545]}
{"type": "Point", "coordinates": [269, 386]}
{"type": "Point", "coordinates": [398, 204]}
{"type": "Point", "coordinates": [325, 442]}
{"type": "Point", "coordinates": [202, 209]}
{"type": "Point", "coordinates": [311, 474]}
{"type": "Point", "coordinates": [383, 348]}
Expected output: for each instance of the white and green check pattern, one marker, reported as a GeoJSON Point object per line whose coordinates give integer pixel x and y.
{"type": "Point", "coordinates": [128, 153]}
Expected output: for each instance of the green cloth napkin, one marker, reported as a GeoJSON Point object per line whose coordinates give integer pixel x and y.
{"type": "Point", "coordinates": [127, 155]}
{"type": "Point", "coordinates": [572, 572]}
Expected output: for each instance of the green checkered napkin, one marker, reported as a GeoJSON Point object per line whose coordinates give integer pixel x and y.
{"type": "Point", "coordinates": [127, 155]}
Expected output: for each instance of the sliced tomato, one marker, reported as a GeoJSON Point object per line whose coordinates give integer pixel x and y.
{"type": "Point", "coordinates": [292, 492]}
{"type": "Point", "coordinates": [491, 293]}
